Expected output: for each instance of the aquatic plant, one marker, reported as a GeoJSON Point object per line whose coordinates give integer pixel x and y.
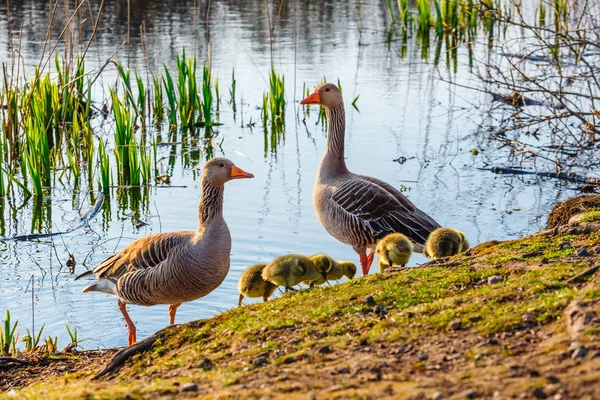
{"type": "Point", "coordinates": [32, 342]}
{"type": "Point", "coordinates": [8, 336]}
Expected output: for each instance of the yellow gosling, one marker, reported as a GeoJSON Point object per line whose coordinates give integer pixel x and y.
{"type": "Point", "coordinates": [252, 284]}
{"type": "Point", "coordinates": [337, 271]}
{"type": "Point", "coordinates": [291, 270]}
{"type": "Point", "coordinates": [445, 242]}
{"type": "Point", "coordinates": [394, 249]}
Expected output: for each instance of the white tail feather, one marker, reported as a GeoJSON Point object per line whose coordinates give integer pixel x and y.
{"type": "Point", "coordinates": [103, 285]}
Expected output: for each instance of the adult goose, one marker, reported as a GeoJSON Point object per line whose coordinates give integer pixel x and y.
{"type": "Point", "coordinates": [355, 209]}
{"type": "Point", "coordinates": [176, 267]}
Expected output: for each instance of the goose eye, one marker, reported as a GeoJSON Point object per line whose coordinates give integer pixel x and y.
{"type": "Point", "coordinates": [327, 90]}
{"type": "Point", "coordinates": [221, 165]}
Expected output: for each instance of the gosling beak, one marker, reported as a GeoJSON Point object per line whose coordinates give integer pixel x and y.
{"type": "Point", "coordinates": [238, 173]}
{"type": "Point", "coordinates": [312, 99]}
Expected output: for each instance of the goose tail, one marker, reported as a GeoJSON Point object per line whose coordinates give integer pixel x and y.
{"type": "Point", "coordinates": [103, 285]}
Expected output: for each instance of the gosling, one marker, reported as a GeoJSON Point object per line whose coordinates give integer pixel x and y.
{"type": "Point", "coordinates": [445, 242]}
{"type": "Point", "coordinates": [337, 271]}
{"type": "Point", "coordinates": [394, 249]}
{"type": "Point", "coordinates": [252, 284]}
{"type": "Point", "coordinates": [291, 270]}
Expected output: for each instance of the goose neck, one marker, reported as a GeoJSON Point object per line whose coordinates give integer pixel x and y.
{"type": "Point", "coordinates": [211, 202]}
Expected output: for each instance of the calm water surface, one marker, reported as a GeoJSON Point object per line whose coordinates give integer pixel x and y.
{"type": "Point", "coordinates": [406, 110]}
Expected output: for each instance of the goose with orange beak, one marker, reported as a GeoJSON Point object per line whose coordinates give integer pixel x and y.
{"type": "Point", "coordinates": [359, 210]}
{"type": "Point", "coordinates": [175, 267]}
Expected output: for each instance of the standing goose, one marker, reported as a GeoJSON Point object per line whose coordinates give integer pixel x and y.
{"type": "Point", "coordinates": [176, 267]}
{"type": "Point", "coordinates": [355, 209]}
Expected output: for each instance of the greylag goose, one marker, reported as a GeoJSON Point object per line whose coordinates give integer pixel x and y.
{"type": "Point", "coordinates": [251, 284]}
{"type": "Point", "coordinates": [394, 249]}
{"type": "Point", "coordinates": [337, 271]}
{"type": "Point", "coordinates": [176, 267]}
{"type": "Point", "coordinates": [291, 270]}
{"type": "Point", "coordinates": [445, 242]}
{"type": "Point", "coordinates": [356, 209]}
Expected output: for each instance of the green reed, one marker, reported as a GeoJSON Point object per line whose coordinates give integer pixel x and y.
{"type": "Point", "coordinates": [388, 4]}
{"type": "Point", "coordinates": [277, 97]}
{"type": "Point", "coordinates": [32, 342]}
{"type": "Point", "coordinates": [540, 11]}
{"type": "Point", "coordinates": [105, 171]}
{"type": "Point", "coordinates": [232, 91]}
{"type": "Point", "coordinates": [8, 336]}
{"type": "Point", "coordinates": [207, 96]}
{"type": "Point", "coordinates": [158, 107]}
{"type": "Point", "coordinates": [124, 140]}
{"type": "Point", "coordinates": [171, 97]}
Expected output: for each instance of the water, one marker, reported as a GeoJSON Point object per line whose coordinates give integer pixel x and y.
{"type": "Point", "coordinates": [406, 110]}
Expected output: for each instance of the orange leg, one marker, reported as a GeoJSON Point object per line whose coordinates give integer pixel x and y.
{"type": "Point", "coordinates": [172, 311]}
{"type": "Point", "coordinates": [242, 298]}
{"type": "Point", "coordinates": [128, 322]}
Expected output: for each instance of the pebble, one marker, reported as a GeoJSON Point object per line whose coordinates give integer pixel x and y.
{"type": "Point", "coordinates": [290, 360]}
{"type": "Point", "coordinates": [579, 352]}
{"type": "Point", "coordinates": [259, 361]}
{"type": "Point", "coordinates": [583, 252]}
{"type": "Point", "coordinates": [456, 325]}
{"type": "Point", "coordinates": [470, 394]}
{"type": "Point", "coordinates": [496, 394]}
{"type": "Point", "coordinates": [552, 379]}
{"type": "Point", "coordinates": [423, 357]}
{"type": "Point", "coordinates": [370, 301]}
{"type": "Point", "coordinates": [494, 279]}
{"type": "Point", "coordinates": [565, 245]}
{"type": "Point", "coordinates": [189, 387]}
{"type": "Point", "coordinates": [539, 393]}
{"type": "Point", "coordinates": [528, 318]}
{"type": "Point", "coordinates": [325, 350]}
{"type": "Point", "coordinates": [437, 396]}
{"type": "Point", "coordinates": [379, 309]}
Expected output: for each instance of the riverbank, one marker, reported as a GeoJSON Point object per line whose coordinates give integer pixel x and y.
{"type": "Point", "coordinates": [513, 319]}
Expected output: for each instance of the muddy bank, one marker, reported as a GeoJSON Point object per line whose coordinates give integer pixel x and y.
{"type": "Point", "coordinates": [514, 319]}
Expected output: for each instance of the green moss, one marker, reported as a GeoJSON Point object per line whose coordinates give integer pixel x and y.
{"type": "Point", "coordinates": [591, 216]}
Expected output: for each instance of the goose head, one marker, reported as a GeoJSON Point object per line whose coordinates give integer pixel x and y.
{"type": "Point", "coordinates": [220, 170]}
{"type": "Point", "coordinates": [326, 94]}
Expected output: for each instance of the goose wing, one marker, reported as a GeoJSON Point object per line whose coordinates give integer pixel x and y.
{"type": "Point", "coordinates": [376, 209]}
{"type": "Point", "coordinates": [145, 253]}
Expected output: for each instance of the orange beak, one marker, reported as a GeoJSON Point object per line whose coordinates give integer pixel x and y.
{"type": "Point", "coordinates": [238, 173]}
{"type": "Point", "coordinates": [312, 99]}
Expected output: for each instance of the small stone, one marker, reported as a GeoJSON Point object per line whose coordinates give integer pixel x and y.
{"type": "Point", "coordinates": [579, 352]}
{"type": "Point", "coordinates": [370, 301]}
{"type": "Point", "coordinates": [189, 387]}
{"type": "Point", "coordinates": [478, 356]}
{"type": "Point", "coordinates": [437, 396]}
{"type": "Point", "coordinates": [496, 394]}
{"type": "Point", "coordinates": [565, 245]}
{"type": "Point", "coordinates": [596, 355]}
{"type": "Point", "coordinates": [494, 279]}
{"type": "Point", "coordinates": [325, 350]}
{"type": "Point", "coordinates": [539, 393]}
{"type": "Point", "coordinates": [343, 370]}
{"type": "Point", "coordinates": [206, 365]}
{"type": "Point", "coordinates": [552, 379]}
{"type": "Point", "coordinates": [557, 396]}
{"type": "Point", "coordinates": [544, 260]}
{"type": "Point", "coordinates": [290, 360]}
{"type": "Point", "coordinates": [456, 325]}
{"type": "Point", "coordinates": [62, 368]}
{"type": "Point", "coordinates": [423, 357]}
{"type": "Point", "coordinates": [379, 309]}
{"type": "Point", "coordinates": [528, 318]}
{"type": "Point", "coordinates": [259, 361]}
{"type": "Point", "coordinates": [574, 345]}
{"type": "Point", "coordinates": [583, 252]}
{"type": "Point", "coordinates": [294, 342]}
{"type": "Point", "coordinates": [470, 394]}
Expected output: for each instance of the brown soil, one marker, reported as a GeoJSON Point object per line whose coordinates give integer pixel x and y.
{"type": "Point", "coordinates": [33, 368]}
{"type": "Point", "coordinates": [563, 211]}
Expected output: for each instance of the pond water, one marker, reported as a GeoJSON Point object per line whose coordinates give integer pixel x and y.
{"type": "Point", "coordinates": [406, 109]}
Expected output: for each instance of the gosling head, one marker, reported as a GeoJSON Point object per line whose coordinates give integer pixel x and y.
{"type": "Point", "coordinates": [323, 263]}
{"type": "Point", "coordinates": [220, 170]}
{"type": "Point", "coordinates": [348, 269]}
{"type": "Point", "coordinates": [326, 94]}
